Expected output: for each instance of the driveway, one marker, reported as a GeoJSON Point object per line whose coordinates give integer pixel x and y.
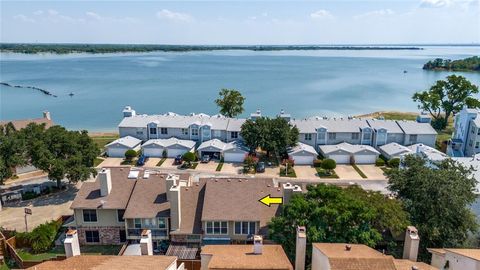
{"type": "Point", "coordinates": [110, 162]}
{"type": "Point", "coordinates": [44, 209]}
{"type": "Point", "coordinates": [270, 172]}
{"type": "Point", "coordinates": [152, 162]}
{"type": "Point", "coordinates": [233, 168]}
{"type": "Point", "coordinates": [168, 164]}
{"type": "Point", "coordinates": [347, 172]}
{"type": "Point", "coordinates": [305, 172]}
{"type": "Point", "coordinates": [207, 167]}
{"type": "Point", "coordinates": [372, 172]}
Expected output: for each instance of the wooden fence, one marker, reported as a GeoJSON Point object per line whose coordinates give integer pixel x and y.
{"type": "Point", "coordinates": [190, 264]}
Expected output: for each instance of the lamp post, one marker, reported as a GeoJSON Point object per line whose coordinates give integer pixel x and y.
{"type": "Point", "coordinates": [27, 211]}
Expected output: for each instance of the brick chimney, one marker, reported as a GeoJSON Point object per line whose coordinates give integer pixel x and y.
{"type": "Point", "coordinates": [46, 115]}
{"type": "Point", "coordinates": [175, 208]}
{"type": "Point", "coordinates": [410, 247]}
{"type": "Point", "coordinates": [289, 190]}
{"type": "Point", "coordinates": [105, 178]}
{"type": "Point", "coordinates": [300, 248]}
{"type": "Point", "coordinates": [146, 245]}
{"type": "Point", "coordinates": [257, 244]}
{"type": "Point", "coordinates": [71, 244]}
{"type": "Point", "coordinates": [170, 181]}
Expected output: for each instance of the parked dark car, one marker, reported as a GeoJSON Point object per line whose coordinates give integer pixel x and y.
{"type": "Point", "coordinates": [141, 160]}
{"type": "Point", "coordinates": [178, 160]}
{"type": "Point", "coordinates": [261, 167]}
{"type": "Point", "coordinates": [205, 159]}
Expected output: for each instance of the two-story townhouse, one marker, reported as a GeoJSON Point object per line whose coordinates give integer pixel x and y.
{"type": "Point", "coordinates": [385, 132]}
{"type": "Point", "coordinates": [99, 207]}
{"type": "Point", "coordinates": [416, 132]}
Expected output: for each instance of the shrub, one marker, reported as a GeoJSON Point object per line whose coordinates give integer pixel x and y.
{"type": "Point", "coordinates": [164, 153]}
{"type": "Point", "coordinates": [188, 157]}
{"type": "Point", "coordinates": [130, 154]}
{"type": "Point", "coordinates": [42, 238]}
{"type": "Point", "coordinates": [317, 163]}
{"type": "Point", "coordinates": [439, 124]}
{"type": "Point", "coordinates": [379, 162]}
{"type": "Point", "coordinates": [288, 161]}
{"type": "Point", "coordinates": [250, 160]}
{"type": "Point", "coordinates": [329, 164]}
{"type": "Point", "coordinates": [394, 162]}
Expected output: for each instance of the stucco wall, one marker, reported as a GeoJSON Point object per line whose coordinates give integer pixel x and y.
{"type": "Point", "coordinates": [105, 217]}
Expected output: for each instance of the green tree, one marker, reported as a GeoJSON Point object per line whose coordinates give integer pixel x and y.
{"type": "Point", "coordinates": [447, 97]}
{"type": "Point", "coordinates": [12, 152]}
{"type": "Point", "coordinates": [130, 154]}
{"type": "Point", "coordinates": [329, 164]}
{"type": "Point", "coordinates": [438, 201]}
{"type": "Point", "coordinates": [188, 157]}
{"type": "Point", "coordinates": [230, 102]}
{"type": "Point", "coordinates": [335, 215]}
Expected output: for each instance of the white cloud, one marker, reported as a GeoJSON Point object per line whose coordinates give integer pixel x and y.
{"type": "Point", "coordinates": [321, 14]}
{"type": "Point", "coordinates": [23, 18]}
{"type": "Point", "coordinates": [38, 12]}
{"type": "Point", "coordinates": [375, 13]}
{"type": "Point", "coordinates": [174, 16]}
{"type": "Point", "coordinates": [435, 3]}
{"type": "Point", "coordinates": [52, 12]}
{"type": "Point", "coordinates": [93, 15]}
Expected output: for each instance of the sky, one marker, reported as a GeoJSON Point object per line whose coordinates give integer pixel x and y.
{"type": "Point", "coordinates": [242, 22]}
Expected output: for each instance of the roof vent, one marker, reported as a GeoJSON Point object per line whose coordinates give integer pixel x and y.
{"type": "Point", "coordinates": [414, 267]}
{"type": "Point", "coordinates": [348, 247]}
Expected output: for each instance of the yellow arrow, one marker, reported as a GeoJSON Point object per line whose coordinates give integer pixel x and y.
{"type": "Point", "coordinates": [267, 200]}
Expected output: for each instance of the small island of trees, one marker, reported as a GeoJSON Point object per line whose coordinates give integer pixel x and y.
{"type": "Point", "coordinates": [467, 64]}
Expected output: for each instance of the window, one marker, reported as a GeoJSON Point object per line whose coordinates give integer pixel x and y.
{"type": "Point", "coordinates": [89, 215]}
{"type": "Point", "coordinates": [163, 131]}
{"type": "Point", "coordinates": [234, 135]}
{"type": "Point", "coordinates": [478, 133]}
{"type": "Point", "coordinates": [161, 223]}
{"type": "Point", "coordinates": [367, 136]}
{"type": "Point", "coordinates": [477, 145]}
{"type": "Point", "coordinates": [355, 136]}
{"type": "Point", "coordinates": [137, 223]}
{"type": "Point", "coordinates": [217, 133]}
{"type": "Point", "coordinates": [246, 228]}
{"type": "Point", "coordinates": [473, 130]}
{"type": "Point", "coordinates": [92, 237]}
{"type": "Point", "coordinates": [120, 213]}
{"type": "Point", "coordinates": [413, 138]}
{"type": "Point", "coordinates": [321, 136]}
{"type": "Point", "coordinates": [194, 131]}
{"type": "Point", "coordinates": [153, 130]}
{"type": "Point", "coordinates": [470, 143]}
{"type": "Point", "coordinates": [184, 131]}
{"type": "Point", "coordinates": [139, 132]}
{"type": "Point", "coordinates": [217, 227]}
{"type": "Point", "coordinates": [332, 136]}
{"type": "Point", "coordinates": [308, 136]}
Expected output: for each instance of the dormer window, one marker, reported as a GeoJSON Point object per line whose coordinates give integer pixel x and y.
{"type": "Point", "coordinates": [153, 130]}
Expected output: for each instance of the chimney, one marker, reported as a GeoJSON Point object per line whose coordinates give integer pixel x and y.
{"type": "Point", "coordinates": [170, 181]}
{"type": "Point", "coordinates": [105, 178]}
{"type": "Point", "coordinates": [300, 248]}
{"type": "Point", "coordinates": [289, 190]}
{"type": "Point", "coordinates": [175, 208]}
{"type": "Point", "coordinates": [410, 247]}
{"type": "Point", "coordinates": [255, 115]}
{"type": "Point", "coordinates": [348, 247]}
{"type": "Point", "coordinates": [71, 245]}
{"type": "Point", "coordinates": [46, 115]}
{"type": "Point", "coordinates": [146, 245]}
{"type": "Point", "coordinates": [128, 112]}
{"type": "Point", "coordinates": [257, 244]}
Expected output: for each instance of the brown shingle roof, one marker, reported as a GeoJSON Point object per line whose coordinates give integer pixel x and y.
{"type": "Point", "coordinates": [237, 200]}
{"type": "Point", "coordinates": [407, 265]}
{"type": "Point", "coordinates": [88, 197]}
{"type": "Point", "coordinates": [242, 257]}
{"type": "Point", "coordinates": [192, 199]}
{"type": "Point", "coordinates": [97, 262]}
{"type": "Point", "coordinates": [385, 263]}
{"type": "Point", "coordinates": [467, 252]}
{"type": "Point", "coordinates": [19, 124]}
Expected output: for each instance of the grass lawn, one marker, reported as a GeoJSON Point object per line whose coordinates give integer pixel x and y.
{"type": "Point", "coordinates": [385, 168]}
{"type": "Point", "coordinates": [219, 167]}
{"type": "Point", "coordinates": [359, 171]}
{"type": "Point", "coordinates": [97, 161]}
{"type": "Point", "coordinates": [290, 172]}
{"type": "Point", "coordinates": [102, 139]}
{"type": "Point", "coordinates": [4, 267]}
{"type": "Point", "coordinates": [27, 256]}
{"type": "Point", "coordinates": [192, 166]}
{"type": "Point", "coordinates": [322, 173]}
{"type": "Point", "coordinates": [161, 162]}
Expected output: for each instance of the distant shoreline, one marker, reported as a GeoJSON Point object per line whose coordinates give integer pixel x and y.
{"type": "Point", "coordinates": [119, 48]}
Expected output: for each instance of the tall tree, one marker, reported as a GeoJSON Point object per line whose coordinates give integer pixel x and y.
{"type": "Point", "coordinates": [230, 102]}
{"type": "Point", "coordinates": [12, 152]}
{"type": "Point", "coordinates": [335, 215]}
{"type": "Point", "coordinates": [438, 201]}
{"type": "Point", "coordinates": [447, 97]}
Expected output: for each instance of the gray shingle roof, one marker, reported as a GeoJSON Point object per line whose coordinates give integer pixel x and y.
{"type": "Point", "coordinates": [429, 152]}
{"type": "Point", "coordinates": [127, 141]}
{"type": "Point", "coordinates": [215, 143]}
{"type": "Point", "coordinates": [350, 148]}
{"type": "Point", "coordinates": [217, 122]}
{"type": "Point", "coordinates": [394, 149]}
{"type": "Point", "coordinates": [169, 142]}
{"type": "Point", "coordinates": [332, 125]}
{"type": "Point", "coordinates": [390, 125]}
{"type": "Point", "coordinates": [301, 147]}
{"type": "Point", "coordinates": [412, 127]}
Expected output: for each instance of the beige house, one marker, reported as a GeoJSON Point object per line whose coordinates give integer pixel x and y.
{"type": "Point", "coordinates": [455, 258]}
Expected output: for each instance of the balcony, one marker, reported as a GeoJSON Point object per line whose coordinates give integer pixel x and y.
{"type": "Point", "coordinates": [156, 233]}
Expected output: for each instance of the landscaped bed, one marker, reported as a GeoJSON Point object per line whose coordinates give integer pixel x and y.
{"type": "Point", "coordinates": [60, 251]}
{"type": "Point", "coordinates": [97, 161]}
{"type": "Point", "coordinates": [161, 162]}
{"type": "Point", "coordinates": [322, 173]}
{"type": "Point", "coordinates": [219, 166]}
{"type": "Point", "coordinates": [290, 172]}
{"type": "Point", "coordinates": [359, 171]}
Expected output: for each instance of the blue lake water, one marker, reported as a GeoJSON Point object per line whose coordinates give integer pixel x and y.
{"type": "Point", "coordinates": [304, 83]}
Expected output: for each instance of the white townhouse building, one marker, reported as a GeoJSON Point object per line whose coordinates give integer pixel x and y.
{"type": "Point", "coordinates": [314, 131]}
{"type": "Point", "coordinates": [466, 135]}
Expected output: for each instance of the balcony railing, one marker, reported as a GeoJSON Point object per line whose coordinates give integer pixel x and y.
{"type": "Point", "coordinates": [155, 232]}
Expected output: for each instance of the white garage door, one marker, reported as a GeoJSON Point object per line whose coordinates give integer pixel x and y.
{"type": "Point", "coordinates": [341, 159]}
{"type": "Point", "coordinates": [365, 159]}
{"type": "Point", "coordinates": [116, 151]}
{"type": "Point", "coordinates": [234, 157]}
{"type": "Point", "coordinates": [303, 160]}
{"type": "Point", "coordinates": [153, 152]}
{"type": "Point", "coordinates": [175, 152]}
